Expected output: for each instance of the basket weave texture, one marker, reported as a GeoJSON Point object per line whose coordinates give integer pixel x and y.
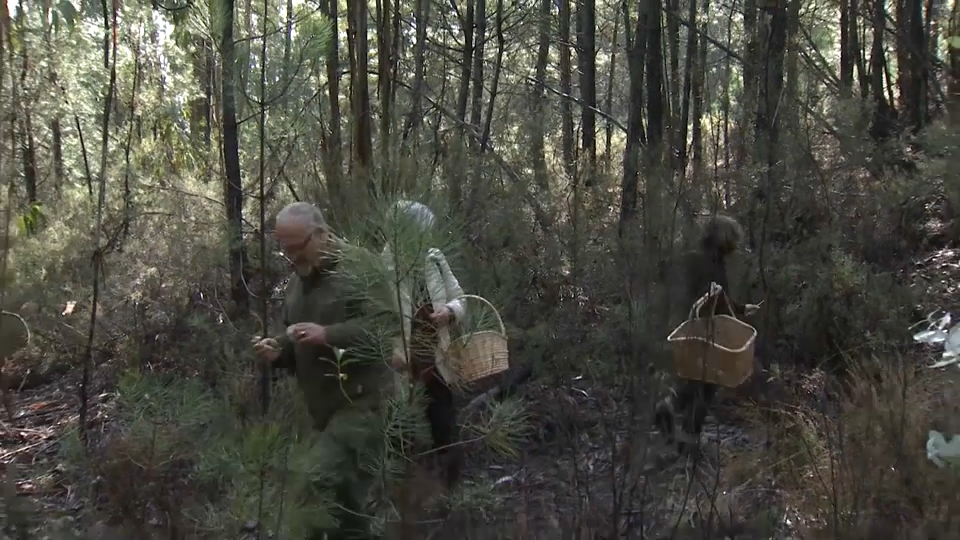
{"type": "Point", "coordinates": [717, 349]}
{"type": "Point", "coordinates": [480, 354]}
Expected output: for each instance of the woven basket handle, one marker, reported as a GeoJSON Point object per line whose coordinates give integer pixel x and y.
{"type": "Point", "coordinates": [503, 329]}
{"type": "Point", "coordinates": [695, 309]}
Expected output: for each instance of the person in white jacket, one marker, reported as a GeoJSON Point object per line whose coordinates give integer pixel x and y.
{"type": "Point", "coordinates": [429, 303]}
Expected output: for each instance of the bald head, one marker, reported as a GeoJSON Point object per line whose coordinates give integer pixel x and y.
{"type": "Point", "coordinates": [301, 214]}
{"type": "Point", "coordinates": [302, 234]}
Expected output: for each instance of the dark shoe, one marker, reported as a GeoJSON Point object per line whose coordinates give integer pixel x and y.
{"type": "Point", "coordinates": [453, 463]}
{"type": "Point", "coordinates": [664, 419]}
{"type": "Point", "coordinates": [688, 444]}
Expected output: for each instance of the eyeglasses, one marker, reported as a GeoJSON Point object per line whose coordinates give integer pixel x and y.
{"type": "Point", "coordinates": [293, 250]}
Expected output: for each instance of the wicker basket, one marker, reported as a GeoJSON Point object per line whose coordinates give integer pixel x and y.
{"type": "Point", "coordinates": [717, 349]}
{"type": "Point", "coordinates": [480, 354]}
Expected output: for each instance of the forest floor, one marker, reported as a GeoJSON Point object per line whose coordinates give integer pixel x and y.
{"type": "Point", "coordinates": [554, 488]}
{"type": "Point", "coordinates": [537, 495]}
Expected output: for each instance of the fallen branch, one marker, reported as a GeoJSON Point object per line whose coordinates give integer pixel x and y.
{"type": "Point", "coordinates": [510, 383]}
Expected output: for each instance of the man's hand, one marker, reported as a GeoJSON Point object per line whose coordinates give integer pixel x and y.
{"type": "Point", "coordinates": [750, 309]}
{"type": "Point", "coordinates": [715, 289]}
{"type": "Point", "coordinates": [307, 333]}
{"type": "Point", "coordinates": [441, 317]}
{"type": "Point", "coordinates": [266, 349]}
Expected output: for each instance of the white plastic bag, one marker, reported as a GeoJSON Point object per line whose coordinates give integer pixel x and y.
{"type": "Point", "coordinates": [941, 451]}
{"type": "Point", "coordinates": [938, 333]}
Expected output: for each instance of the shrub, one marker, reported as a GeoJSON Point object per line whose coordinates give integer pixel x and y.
{"type": "Point", "coordinates": [857, 466]}
{"type": "Point", "coordinates": [844, 308]}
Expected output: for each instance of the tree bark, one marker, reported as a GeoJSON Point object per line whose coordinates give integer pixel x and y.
{"type": "Point", "coordinates": [233, 183]}
{"type": "Point", "coordinates": [566, 88]}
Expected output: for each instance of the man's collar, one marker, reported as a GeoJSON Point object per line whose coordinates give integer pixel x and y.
{"type": "Point", "coordinates": [327, 266]}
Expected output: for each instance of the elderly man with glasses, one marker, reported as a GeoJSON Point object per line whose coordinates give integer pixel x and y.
{"type": "Point", "coordinates": [343, 393]}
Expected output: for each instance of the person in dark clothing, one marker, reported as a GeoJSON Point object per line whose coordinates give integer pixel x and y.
{"type": "Point", "coordinates": [323, 327]}
{"type": "Point", "coordinates": [706, 264]}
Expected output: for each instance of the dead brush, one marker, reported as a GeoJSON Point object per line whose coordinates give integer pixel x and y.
{"type": "Point", "coordinates": [242, 394]}
{"type": "Point", "coordinates": [143, 481]}
{"type": "Point", "coordinates": [14, 335]}
{"type": "Point", "coordinates": [242, 391]}
{"type": "Point", "coordinates": [863, 466]}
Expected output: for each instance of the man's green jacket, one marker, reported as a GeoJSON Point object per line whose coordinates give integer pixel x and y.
{"type": "Point", "coordinates": [329, 384]}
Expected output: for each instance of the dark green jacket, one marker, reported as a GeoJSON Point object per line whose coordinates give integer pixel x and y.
{"type": "Point", "coordinates": [329, 384]}
{"type": "Point", "coordinates": [699, 270]}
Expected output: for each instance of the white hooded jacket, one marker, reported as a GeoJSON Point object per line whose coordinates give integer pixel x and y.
{"type": "Point", "coordinates": [443, 289]}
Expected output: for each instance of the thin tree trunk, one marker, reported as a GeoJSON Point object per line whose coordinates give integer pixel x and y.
{"type": "Point", "coordinates": [384, 70]}
{"type": "Point", "coordinates": [657, 137]}
{"type": "Point", "coordinates": [455, 184]}
{"type": "Point", "coordinates": [953, 77]}
{"type": "Point", "coordinates": [233, 183]}
{"type": "Point", "coordinates": [479, 48]}
{"type": "Point", "coordinates": [699, 74]}
{"type": "Point", "coordinates": [656, 114]}
{"type": "Point", "coordinates": [676, 119]}
{"type": "Point", "coordinates": [495, 83]}
{"type": "Point", "coordinates": [537, 126]}
{"type": "Point", "coordinates": [422, 21]}
{"type": "Point", "coordinates": [856, 46]}
{"type": "Point", "coordinates": [56, 132]}
{"type": "Point", "coordinates": [688, 75]}
{"type": "Point", "coordinates": [466, 62]}
{"type": "Point", "coordinates": [266, 371]}
{"type": "Point", "coordinates": [636, 54]}
{"type": "Point", "coordinates": [128, 169]}
{"type": "Point", "coordinates": [846, 53]}
{"type": "Point", "coordinates": [566, 88]}
{"type": "Point", "coordinates": [883, 122]}
{"type": "Point", "coordinates": [791, 115]}
{"type": "Point", "coordinates": [333, 157]}
{"type": "Point", "coordinates": [751, 68]}
{"type": "Point", "coordinates": [360, 95]}
{"type": "Point", "coordinates": [608, 105]}
{"type": "Point", "coordinates": [110, 37]}
{"type": "Point", "coordinates": [586, 65]}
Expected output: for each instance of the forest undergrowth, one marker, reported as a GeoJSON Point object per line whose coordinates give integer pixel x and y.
{"type": "Point", "coordinates": [178, 447]}
{"type": "Point", "coordinates": [569, 148]}
{"type": "Point", "coordinates": [827, 441]}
